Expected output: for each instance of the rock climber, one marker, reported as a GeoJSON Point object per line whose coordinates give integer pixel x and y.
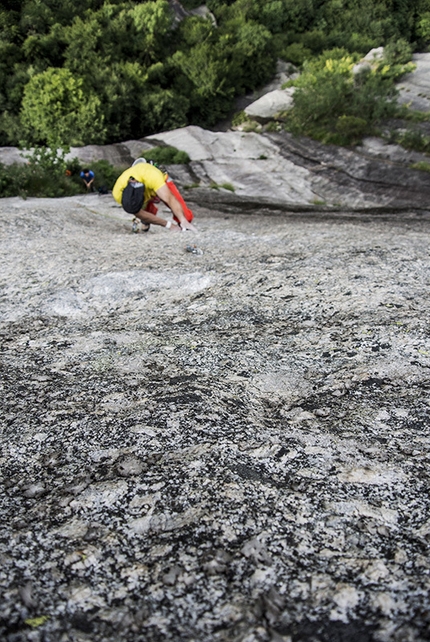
{"type": "Point", "coordinates": [143, 184]}
{"type": "Point", "coordinates": [88, 177]}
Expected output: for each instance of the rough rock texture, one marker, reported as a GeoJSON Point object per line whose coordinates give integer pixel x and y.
{"type": "Point", "coordinates": [230, 446]}
{"type": "Point", "coordinates": [285, 71]}
{"type": "Point", "coordinates": [369, 60]}
{"type": "Point", "coordinates": [267, 103]}
{"type": "Point", "coordinates": [281, 168]}
{"type": "Point", "coordinates": [373, 146]}
{"type": "Point", "coordinates": [118, 154]}
{"type": "Point", "coordinates": [415, 87]}
{"type": "Point", "coordinates": [180, 13]}
{"type": "Point", "coordinates": [268, 106]}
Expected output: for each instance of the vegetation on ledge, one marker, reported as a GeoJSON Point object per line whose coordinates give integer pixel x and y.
{"type": "Point", "coordinates": [102, 71]}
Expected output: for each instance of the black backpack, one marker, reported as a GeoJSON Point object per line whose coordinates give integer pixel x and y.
{"type": "Point", "coordinates": [133, 197]}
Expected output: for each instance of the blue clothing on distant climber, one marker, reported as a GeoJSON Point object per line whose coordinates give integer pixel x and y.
{"type": "Point", "coordinates": [87, 176]}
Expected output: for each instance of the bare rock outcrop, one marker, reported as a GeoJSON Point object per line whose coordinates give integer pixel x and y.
{"type": "Point", "coordinates": [267, 107]}
{"type": "Point", "coordinates": [415, 87]}
{"type": "Point", "coordinates": [279, 169]}
{"type": "Point", "coordinates": [283, 169]}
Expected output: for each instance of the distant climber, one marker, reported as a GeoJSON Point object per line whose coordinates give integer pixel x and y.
{"type": "Point", "coordinates": [141, 186]}
{"type": "Point", "coordinates": [88, 177]}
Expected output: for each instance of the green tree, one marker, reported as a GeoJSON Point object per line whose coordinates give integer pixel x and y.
{"type": "Point", "coordinates": [124, 69]}
{"type": "Point", "coordinates": [203, 72]}
{"type": "Point", "coordinates": [249, 53]}
{"type": "Point", "coordinates": [58, 111]}
{"type": "Point", "coordinates": [195, 30]}
{"type": "Point", "coordinates": [153, 22]}
{"type": "Point", "coordinates": [82, 42]}
{"type": "Point", "coordinates": [359, 25]}
{"type": "Point", "coordinates": [292, 15]}
{"type": "Point", "coordinates": [122, 99]}
{"type": "Point", "coordinates": [162, 109]}
{"type": "Point", "coordinates": [423, 26]}
{"type": "Point", "coordinates": [334, 105]}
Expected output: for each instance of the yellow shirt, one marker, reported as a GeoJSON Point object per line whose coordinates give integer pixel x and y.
{"type": "Point", "coordinates": [145, 173]}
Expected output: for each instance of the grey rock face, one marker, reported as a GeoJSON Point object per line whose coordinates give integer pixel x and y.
{"type": "Point", "coordinates": [415, 87]}
{"type": "Point", "coordinates": [118, 154]}
{"type": "Point", "coordinates": [216, 447]}
{"type": "Point", "coordinates": [281, 169]}
{"type": "Point", "coordinates": [268, 106]}
{"type": "Point", "coordinates": [369, 60]}
{"type": "Point", "coordinates": [373, 146]}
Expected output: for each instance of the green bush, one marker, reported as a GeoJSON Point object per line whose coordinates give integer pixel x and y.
{"type": "Point", "coordinates": [166, 156]}
{"type": "Point", "coordinates": [105, 174]}
{"type": "Point", "coordinates": [43, 175]}
{"type": "Point", "coordinates": [47, 174]}
{"type": "Point", "coordinates": [414, 140]}
{"type": "Point", "coordinates": [34, 180]}
{"type": "Point", "coordinates": [353, 42]}
{"type": "Point", "coordinates": [398, 52]}
{"type": "Point", "coordinates": [227, 186]}
{"type": "Point", "coordinates": [273, 126]}
{"type": "Point", "coordinates": [422, 166]}
{"type": "Point", "coordinates": [296, 53]}
{"type": "Point", "coordinates": [191, 4]}
{"type": "Point", "coordinates": [333, 105]}
{"type": "Point", "coordinates": [423, 27]}
{"type": "Point", "coordinates": [352, 128]}
{"type": "Point", "coordinates": [251, 126]}
{"type": "Point", "coordinates": [413, 116]}
{"type": "Point", "coordinates": [239, 118]}
{"type": "Point", "coordinates": [315, 40]}
{"type": "Point", "coordinates": [192, 186]}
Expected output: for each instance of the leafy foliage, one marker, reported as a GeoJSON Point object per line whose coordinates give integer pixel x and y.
{"type": "Point", "coordinates": [105, 174]}
{"type": "Point", "coordinates": [34, 180]}
{"type": "Point", "coordinates": [108, 70]}
{"type": "Point", "coordinates": [57, 110]}
{"type": "Point", "coordinates": [414, 140]}
{"type": "Point", "coordinates": [47, 174]}
{"type": "Point", "coordinates": [423, 166]}
{"type": "Point", "coordinates": [166, 156]}
{"type": "Point", "coordinates": [336, 105]}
